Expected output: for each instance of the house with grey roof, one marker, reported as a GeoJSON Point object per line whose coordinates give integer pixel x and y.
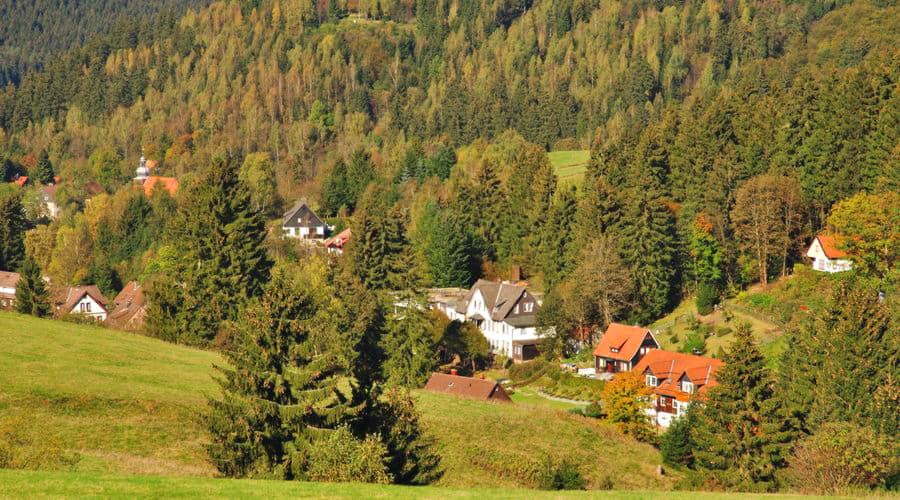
{"type": "Point", "coordinates": [506, 313]}
{"type": "Point", "coordinates": [302, 223]}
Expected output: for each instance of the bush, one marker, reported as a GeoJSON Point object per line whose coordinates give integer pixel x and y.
{"type": "Point", "coordinates": [561, 476]}
{"type": "Point", "coordinates": [694, 343]}
{"type": "Point", "coordinates": [605, 484]}
{"type": "Point", "coordinates": [723, 331]}
{"type": "Point", "coordinates": [692, 322]}
{"type": "Point", "coordinates": [842, 455]}
{"type": "Point", "coordinates": [707, 298]}
{"type": "Point", "coordinates": [343, 458]}
{"type": "Point", "coordinates": [594, 410]}
{"type": "Point", "coordinates": [761, 301]}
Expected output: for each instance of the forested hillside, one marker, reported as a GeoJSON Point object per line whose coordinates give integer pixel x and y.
{"type": "Point", "coordinates": [447, 108]}
{"type": "Point", "coordinates": [31, 33]}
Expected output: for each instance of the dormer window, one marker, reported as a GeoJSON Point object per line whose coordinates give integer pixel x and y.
{"type": "Point", "coordinates": [652, 381]}
{"type": "Point", "coordinates": [614, 349]}
{"type": "Point", "coordinates": [687, 386]}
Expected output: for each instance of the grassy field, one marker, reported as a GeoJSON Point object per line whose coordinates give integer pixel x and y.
{"type": "Point", "coordinates": [26, 484]}
{"type": "Point", "coordinates": [117, 403]}
{"type": "Point", "coordinates": [570, 166]}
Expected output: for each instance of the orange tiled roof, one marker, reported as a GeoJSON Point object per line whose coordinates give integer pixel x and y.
{"type": "Point", "coordinates": [170, 184]}
{"type": "Point", "coordinates": [830, 243]}
{"type": "Point", "coordinates": [670, 367]}
{"type": "Point", "coordinates": [21, 181]}
{"type": "Point", "coordinates": [626, 340]}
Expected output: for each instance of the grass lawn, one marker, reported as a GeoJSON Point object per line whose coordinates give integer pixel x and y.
{"type": "Point", "coordinates": [28, 484]}
{"type": "Point", "coordinates": [121, 403]}
{"type": "Point", "coordinates": [570, 166]}
{"type": "Point", "coordinates": [528, 396]}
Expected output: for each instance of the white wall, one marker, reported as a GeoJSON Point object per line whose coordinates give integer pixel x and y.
{"type": "Point", "coordinates": [821, 262]}
{"type": "Point", "coordinates": [87, 303]}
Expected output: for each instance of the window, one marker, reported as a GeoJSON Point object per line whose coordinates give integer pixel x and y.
{"type": "Point", "coordinates": [529, 306]}
{"type": "Point", "coordinates": [651, 381]}
{"type": "Point", "coordinates": [516, 311]}
{"type": "Point", "coordinates": [687, 386]}
{"type": "Point", "coordinates": [84, 307]}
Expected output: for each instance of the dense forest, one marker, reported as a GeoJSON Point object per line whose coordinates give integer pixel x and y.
{"type": "Point", "coordinates": [34, 32]}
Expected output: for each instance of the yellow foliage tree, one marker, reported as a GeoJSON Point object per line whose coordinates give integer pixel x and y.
{"type": "Point", "coordinates": [626, 401]}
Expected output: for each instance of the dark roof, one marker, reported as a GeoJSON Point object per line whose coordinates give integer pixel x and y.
{"type": "Point", "coordinates": [302, 216]}
{"type": "Point", "coordinates": [466, 387]}
{"type": "Point", "coordinates": [626, 340]}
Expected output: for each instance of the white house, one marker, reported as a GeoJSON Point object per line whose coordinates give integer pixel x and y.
{"type": "Point", "coordinates": [676, 379]}
{"type": "Point", "coordinates": [505, 313]}
{"type": "Point", "coordinates": [826, 256]}
{"type": "Point", "coordinates": [47, 196]}
{"type": "Point", "coordinates": [8, 281]}
{"type": "Point", "coordinates": [302, 223]}
{"type": "Point", "coordinates": [86, 300]}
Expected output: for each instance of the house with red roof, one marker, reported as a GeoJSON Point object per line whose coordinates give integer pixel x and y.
{"type": "Point", "coordinates": [85, 300]}
{"type": "Point", "coordinates": [336, 243]}
{"type": "Point", "coordinates": [467, 387]}
{"type": "Point", "coordinates": [621, 347]}
{"type": "Point", "coordinates": [676, 379]}
{"type": "Point", "coordinates": [129, 308]}
{"type": "Point", "coordinates": [827, 255]}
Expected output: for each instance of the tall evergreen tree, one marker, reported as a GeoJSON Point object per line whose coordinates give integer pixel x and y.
{"type": "Point", "coordinates": [221, 259]}
{"type": "Point", "coordinates": [32, 296]}
{"type": "Point", "coordinates": [282, 387]}
{"type": "Point", "coordinates": [445, 247]}
{"type": "Point", "coordinates": [741, 435]}
{"type": "Point", "coordinates": [379, 239]}
{"type": "Point", "coordinates": [44, 169]}
{"type": "Point", "coordinates": [12, 231]}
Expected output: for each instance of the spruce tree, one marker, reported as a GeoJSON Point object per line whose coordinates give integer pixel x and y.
{"type": "Point", "coordinates": [32, 296]}
{"type": "Point", "coordinates": [741, 435]}
{"type": "Point", "coordinates": [379, 238]}
{"type": "Point", "coordinates": [44, 169]}
{"type": "Point", "coordinates": [282, 386]}
{"type": "Point", "coordinates": [445, 247]}
{"type": "Point", "coordinates": [676, 445]}
{"type": "Point", "coordinates": [12, 231]}
{"type": "Point", "coordinates": [221, 259]}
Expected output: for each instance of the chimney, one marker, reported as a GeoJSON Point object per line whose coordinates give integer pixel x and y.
{"type": "Point", "coordinates": [453, 371]}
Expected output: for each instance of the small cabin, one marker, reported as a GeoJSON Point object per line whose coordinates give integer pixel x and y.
{"type": "Point", "coordinates": [302, 223]}
{"type": "Point", "coordinates": [826, 255]}
{"type": "Point", "coordinates": [85, 300]}
{"type": "Point", "coordinates": [8, 283]}
{"type": "Point", "coordinates": [467, 387]}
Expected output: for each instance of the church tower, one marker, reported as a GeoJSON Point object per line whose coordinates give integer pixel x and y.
{"type": "Point", "coordinates": [142, 171]}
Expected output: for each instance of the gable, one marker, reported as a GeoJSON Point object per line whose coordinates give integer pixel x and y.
{"type": "Point", "coordinates": [302, 216]}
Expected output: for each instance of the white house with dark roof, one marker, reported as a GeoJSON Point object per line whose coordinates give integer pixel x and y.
{"type": "Point", "coordinates": [302, 223]}
{"type": "Point", "coordinates": [84, 300]}
{"type": "Point", "coordinates": [8, 282]}
{"type": "Point", "coordinates": [506, 314]}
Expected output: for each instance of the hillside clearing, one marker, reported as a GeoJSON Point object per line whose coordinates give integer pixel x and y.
{"type": "Point", "coordinates": [569, 166]}
{"type": "Point", "coordinates": [127, 404]}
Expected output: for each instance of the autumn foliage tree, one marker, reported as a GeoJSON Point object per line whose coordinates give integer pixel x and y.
{"type": "Point", "coordinates": [626, 401]}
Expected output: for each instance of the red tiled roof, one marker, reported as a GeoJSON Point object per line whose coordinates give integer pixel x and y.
{"type": "Point", "coordinates": [170, 184]}
{"type": "Point", "coordinates": [21, 180]}
{"type": "Point", "coordinates": [626, 340]}
{"type": "Point", "coordinates": [467, 387]}
{"type": "Point", "coordinates": [68, 297]}
{"type": "Point", "coordinates": [830, 243]}
{"type": "Point", "coordinates": [8, 279]}
{"type": "Point", "coordinates": [338, 240]}
{"type": "Point", "coordinates": [128, 306]}
{"type": "Point", "coordinates": [670, 367]}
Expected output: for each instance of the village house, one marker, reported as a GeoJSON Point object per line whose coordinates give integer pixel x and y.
{"type": "Point", "coordinates": [336, 243]}
{"type": "Point", "coordinates": [8, 281]}
{"type": "Point", "coordinates": [621, 347]}
{"type": "Point", "coordinates": [826, 256]}
{"type": "Point", "coordinates": [302, 223]}
{"type": "Point", "coordinates": [467, 387]}
{"type": "Point", "coordinates": [86, 300]}
{"type": "Point", "coordinates": [149, 183]}
{"type": "Point", "coordinates": [506, 314]}
{"type": "Point", "coordinates": [129, 308]}
{"type": "Point", "coordinates": [47, 196]}
{"type": "Point", "coordinates": [676, 379]}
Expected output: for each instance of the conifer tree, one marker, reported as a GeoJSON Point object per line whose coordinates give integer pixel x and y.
{"type": "Point", "coordinates": [12, 231]}
{"type": "Point", "coordinates": [741, 435]}
{"type": "Point", "coordinates": [32, 296]}
{"type": "Point", "coordinates": [445, 247]}
{"type": "Point", "coordinates": [44, 169]}
{"type": "Point", "coordinates": [556, 250]}
{"type": "Point", "coordinates": [676, 446]}
{"type": "Point", "coordinates": [379, 239]}
{"type": "Point", "coordinates": [282, 387]}
{"type": "Point", "coordinates": [221, 259]}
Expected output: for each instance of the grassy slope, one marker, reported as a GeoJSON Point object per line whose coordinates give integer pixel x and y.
{"type": "Point", "coordinates": [570, 166]}
{"type": "Point", "coordinates": [129, 404]}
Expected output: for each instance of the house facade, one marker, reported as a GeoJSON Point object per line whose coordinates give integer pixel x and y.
{"type": "Point", "coordinates": [302, 223]}
{"type": "Point", "coordinates": [676, 379]}
{"type": "Point", "coordinates": [506, 314]}
{"type": "Point", "coordinates": [826, 256]}
{"type": "Point", "coordinates": [47, 196]}
{"type": "Point", "coordinates": [85, 300]}
{"type": "Point", "coordinates": [622, 347]}
{"type": "Point", "coordinates": [8, 282]}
